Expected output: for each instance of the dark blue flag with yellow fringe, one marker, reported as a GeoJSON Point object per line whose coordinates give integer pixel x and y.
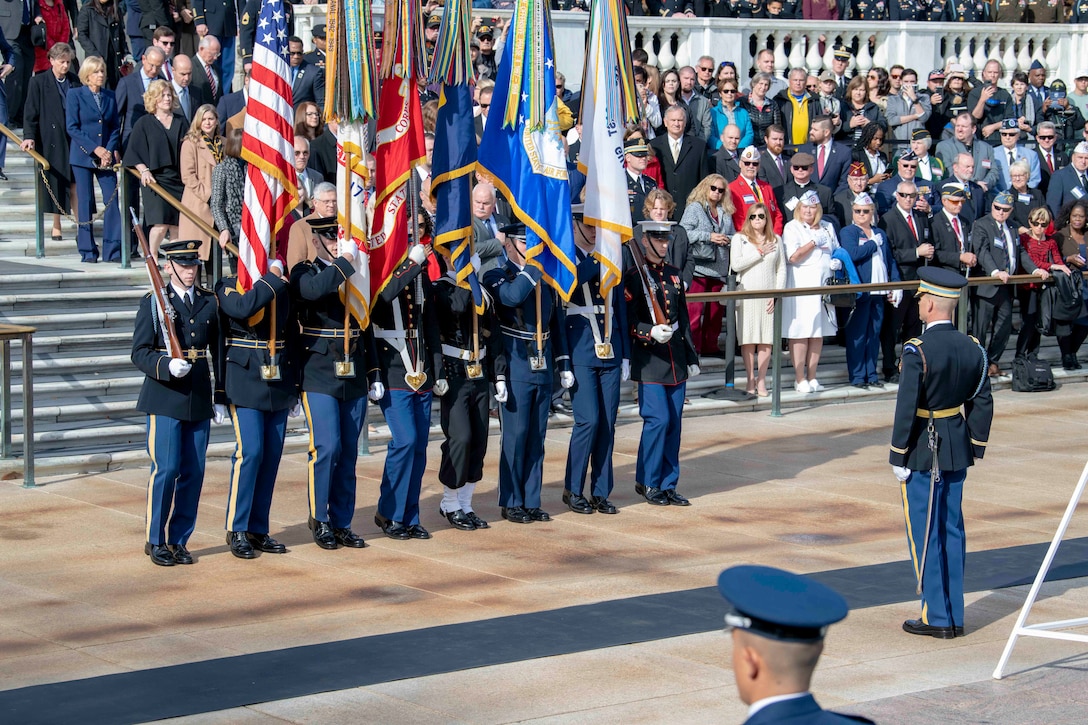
{"type": "Point", "coordinates": [522, 152]}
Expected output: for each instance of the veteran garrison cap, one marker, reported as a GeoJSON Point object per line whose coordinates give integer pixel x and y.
{"type": "Point", "coordinates": [863, 199]}
{"type": "Point", "coordinates": [1004, 198]}
{"type": "Point", "coordinates": [907, 155]}
{"type": "Point", "coordinates": [324, 226]}
{"type": "Point", "coordinates": [919, 133]}
{"type": "Point", "coordinates": [750, 154]}
{"type": "Point", "coordinates": [810, 198]}
{"type": "Point", "coordinates": [940, 282]}
{"type": "Point", "coordinates": [857, 169]}
{"type": "Point", "coordinates": [954, 190]}
{"type": "Point", "coordinates": [184, 252]}
{"type": "Point", "coordinates": [778, 604]}
{"type": "Point", "coordinates": [1010, 124]}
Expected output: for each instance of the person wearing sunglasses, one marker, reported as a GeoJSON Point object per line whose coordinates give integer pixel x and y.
{"type": "Point", "coordinates": [756, 256]}
{"type": "Point", "coordinates": [747, 190]}
{"type": "Point", "coordinates": [709, 224]}
{"type": "Point", "coordinates": [728, 111]}
{"type": "Point", "coordinates": [1025, 196]}
{"type": "Point", "coordinates": [1040, 245]}
{"type": "Point", "coordinates": [1051, 158]}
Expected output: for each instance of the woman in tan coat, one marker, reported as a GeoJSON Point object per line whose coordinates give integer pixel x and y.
{"type": "Point", "coordinates": [200, 152]}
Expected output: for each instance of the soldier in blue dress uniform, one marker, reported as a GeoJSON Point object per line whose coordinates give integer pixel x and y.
{"type": "Point", "coordinates": [469, 358]}
{"type": "Point", "coordinates": [334, 385]}
{"type": "Point", "coordinates": [966, 11]}
{"type": "Point", "coordinates": [601, 357]}
{"type": "Point", "coordinates": [942, 424]}
{"type": "Point", "coordinates": [262, 388]}
{"type": "Point", "coordinates": [178, 399]}
{"type": "Point", "coordinates": [532, 343]}
{"type": "Point", "coordinates": [405, 340]}
{"type": "Point", "coordinates": [777, 623]}
{"type": "Point", "coordinates": [663, 357]}
{"type": "Point", "coordinates": [635, 153]}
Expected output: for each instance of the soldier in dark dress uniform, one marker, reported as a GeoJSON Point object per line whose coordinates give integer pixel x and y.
{"type": "Point", "coordinates": [636, 155]}
{"type": "Point", "coordinates": [262, 388]}
{"type": "Point", "coordinates": [867, 10]}
{"type": "Point", "coordinates": [1079, 12]}
{"type": "Point", "coordinates": [518, 293]}
{"type": "Point", "coordinates": [334, 385]}
{"type": "Point", "coordinates": [178, 400]}
{"type": "Point", "coordinates": [942, 424]}
{"type": "Point", "coordinates": [966, 11]}
{"type": "Point", "coordinates": [468, 361]}
{"type": "Point", "coordinates": [405, 339]}
{"type": "Point", "coordinates": [663, 357]}
{"type": "Point", "coordinates": [600, 353]}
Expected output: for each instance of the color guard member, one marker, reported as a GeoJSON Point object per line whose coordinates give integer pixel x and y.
{"type": "Point", "coordinates": [663, 357]}
{"type": "Point", "coordinates": [336, 361]}
{"type": "Point", "coordinates": [177, 397]}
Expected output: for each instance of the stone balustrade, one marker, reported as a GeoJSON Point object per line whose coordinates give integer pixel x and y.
{"type": "Point", "coordinates": [676, 42]}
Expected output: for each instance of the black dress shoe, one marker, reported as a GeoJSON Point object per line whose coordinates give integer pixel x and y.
{"type": "Point", "coordinates": [323, 535]}
{"type": "Point", "coordinates": [479, 523]}
{"type": "Point", "coordinates": [416, 531]}
{"type": "Point", "coordinates": [459, 520]}
{"type": "Point", "coordinates": [876, 384]}
{"type": "Point", "coordinates": [516, 515]}
{"type": "Point", "coordinates": [538, 514]}
{"type": "Point", "coordinates": [181, 554]}
{"type": "Point", "coordinates": [347, 537]}
{"type": "Point", "coordinates": [892, 378]}
{"type": "Point", "coordinates": [240, 546]}
{"type": "Point", "coordinates": [653, 495]}
{"type": "Point", "coordinates": [676, 499]}
{"type": "Point", "coordinates": [160, 554]}
{"type": "Point", "coordinates": [603, 505]}
{"type": "Point", "coordinates": [392, 529]}
{"type": "Point", "coordinates": [959, 631]}
{"type": "Point", "coordinates": [265, 543]}
{"type": "Point", "coordinates": [1069, 362]}
{"type": "Point", "coordinates": [862, 386]}
{"type": "Point", "coordinates": [915, 626]}
{"type": "Point", "coordinates": [562, 408]}
{"type": "Point", "coordinates": [578, 504]}
{"type": "Point", "coordinates": [3, 176]}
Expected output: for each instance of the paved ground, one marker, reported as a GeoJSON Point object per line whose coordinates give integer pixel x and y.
{"type": "Point", "coordinates": [585, 619]}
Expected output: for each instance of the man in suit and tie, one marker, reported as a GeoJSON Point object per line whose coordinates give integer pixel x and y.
{"type": "Point", "coordinates": [219, 19]}
{"type": "Point", "coordinates": [832, 159]}
{"type": "Point", "coordinates": [1000, 255]}
{"type": "Point", "coordinates": [950, 233]}
{"type": "Point", "coordinates": [205, 76]}
{"type": "Point", "coordinates": [725, 158]}
{"type": "Point", "coordinates": [487, 224]}
{"type": "Point", "coordinates": [774, 165]}
{"type": "Point", "coordinates": [1050, 157]}
{"type": "Point", "coordinates": [1010, 151]}
{"type": "Point", "coordinates": [683, 158]}
{"type": "Point", "coordinates": [232, 107]}
{"type": "Point", "coordinates": [857, 182]}
{"type": "Point", "coordinates": [189, 98]}
{"type": "Point", "coordinates": [131, 89]}
{"type": "Point", "coordinates": [964, 141]}
{"type": "Point", "coordinates": [963, 168]}
{"type": "Point", "coordinates": [484, 104]}
{"type": "Point", "coordinates": [1070, 183]}
{"type": "Point", "coordinates": [906, 168]}
{"type": "Point", "coordinates": [307, 80]}
{"type": "Point", "coordinates": [165, 40]}
{"type": "Point", "coordinates": [305, 179]}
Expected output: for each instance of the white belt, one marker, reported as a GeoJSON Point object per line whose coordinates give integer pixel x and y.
{"type": "Point", "coordinates": [393, 334]}
{"type": "Point", "coordinates": [586, 309]}
{"type": "Point", "coordinates": [451, 351]}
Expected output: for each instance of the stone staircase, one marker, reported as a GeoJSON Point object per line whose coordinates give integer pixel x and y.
{"type": "Point", "coordinates": [85, 387]}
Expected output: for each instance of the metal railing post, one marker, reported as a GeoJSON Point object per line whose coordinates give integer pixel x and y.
{"type": "Point", "coordinates": [28, 408]}
{"type": "Point", "coordinates": [39, 222]}
{"type": "Point", "coordinates": [776, 361]}
{"type": "Point", "coordinates": [5, 402]}
{"type": "Point", "coordinates": [126, 228]}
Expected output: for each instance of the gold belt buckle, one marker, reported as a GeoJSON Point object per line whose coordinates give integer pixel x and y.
{"type": "Point", "coordinates": [271, 371]}
{"type": "Point", "coordinates": [538, 362]}
{"type": "Point", "coordinates": [603, 350]}
{"type": "Point", "coordinates": [191, 355]}
{"type": "Point", "coordinates": [415, 380]}
{"type": "Point", "coordinates": [474, 370]}
{"type": "Point", "coordinates": [344, 368]}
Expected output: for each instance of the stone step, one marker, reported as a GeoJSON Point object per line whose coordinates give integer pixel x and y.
{"type": "Point", "coordinates": [55, 323]}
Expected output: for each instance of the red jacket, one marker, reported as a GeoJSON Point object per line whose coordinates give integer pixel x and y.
{"type": "Point", "coordinates": [741, 192]}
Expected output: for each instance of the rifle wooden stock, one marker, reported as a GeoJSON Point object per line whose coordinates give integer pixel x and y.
{"type": "Point", "coordinates": [189, 213]}
{"type": "Point", "coordinates": [640, 264]}
{"type": "Point", "coordinates": [157, 289]}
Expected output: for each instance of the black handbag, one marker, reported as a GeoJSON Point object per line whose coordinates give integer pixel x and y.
{"type": "Point", "coordinates": [845, 300]}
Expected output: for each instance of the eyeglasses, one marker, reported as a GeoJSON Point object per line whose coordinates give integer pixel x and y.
{"type": "Point", "coordinates": [896, 76]}
{"type": "Point", "coordinates": [749, 163]}
{"type": "Point", "coordinates": [802, 168]}
{"type": "Point", "coordinates": [1002, 209]}
{"type": "Point", "coordinates": [863, 211]}
{"type": "Point", "coordinates": [758, 215]}
{"type": "Point", "coordinates": [312, 114]}
{"type": "Point", "coordinates": [906, 196]}
{"type": "Point", "coordinates": [559, 86]}
{"type": "Point", "coordinates": [716, 188]}
{"type": "Point", "coordinates": [728, 90]}
{"type": "Point", "coordinates": [1010, 133]}
{"type": "Point", "coordinates": [294, 52]}
{"type": "Point", "coordinates": [1046, 138]}
{"type": "Point", "coordinates": [166, 42]}
{"type": "Point", "coordinates": [706, 69]}
{"type": "Point", "coordinates": [811, 88]}
{"type": "Point", "coordinates": [485, 105]}
{"type": "Point", "coordinates": [1038, 224]}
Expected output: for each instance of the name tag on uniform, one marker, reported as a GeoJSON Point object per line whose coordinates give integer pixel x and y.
{"type": "Point", "coordinates": [1077, 192]}
{"type": "Point", "coordinates": [749, 199]}
{"type": "Point", "coordinates": [1024, 198]}
{"type": "Point", "coordinates": [791, 203]}
{"type": "Point", "coordinates": [999, 242]}
{"type": "Point", "coordinates": [986, 163]}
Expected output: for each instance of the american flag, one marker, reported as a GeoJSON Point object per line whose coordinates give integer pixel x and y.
{"type": "Point", "coordinates": [268, 144]}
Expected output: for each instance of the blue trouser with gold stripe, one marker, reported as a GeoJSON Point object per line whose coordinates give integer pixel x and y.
{"type": "Point", "coordinates": [258, 445]}
{"type": "Point", "coordinates": [177, 449]}
{"type": "Point", "coordinates": [334, 448]}
{"type": "Point", "coordinates": [661, 408]}
{"type": "Point", "coordinates": [942, 580]}
{"type": "Point", "coordinates": [595, 399]}
{"type": "Point", "coordinates": [408, 415]}
{"type": "Point", "coordinates": [524, 428]}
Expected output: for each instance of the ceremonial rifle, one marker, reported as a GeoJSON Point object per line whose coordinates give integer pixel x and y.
{"type": "Point", "coordinates": [158, 290]}
{"type": "Point", "coordinates": [648, 285]}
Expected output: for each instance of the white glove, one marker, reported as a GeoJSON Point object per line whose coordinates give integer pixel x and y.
{"type": "Point", "coordinates": [348, 248]}
{"type": "Point", "coordinates": [418, 254]}
{"type": "Point", "coordinates": [566, 379]}
{"type": "Point", "coordinates": [835, 265]}
{"type": "Point", "coordinates": [693, 371]}
{"type": "Point", "coordinates": [276, 264]}
{"type": "Point", "coordinates": [661, 333]}
{"type": "Point", "coordinates": [625, 370]}
{"type": "Point", "coordinates": [219, 414]}
{"type": "Point", "coordinates": [180, 368]}
{"type": "Point", "coordinates": [441, 387]}
{"type": "Point", "coordinates": [377, 392]}
{"type": "Point", "coordinates": [896, 296]}
{"type": "Point", "coordinates": [500, 392]}
{"type": "Point", "coordinates": [476, 262]}
{"type": "Point", "coordinates": [901, 473]}
{"type": "Point", "coordinates": [296, 410]}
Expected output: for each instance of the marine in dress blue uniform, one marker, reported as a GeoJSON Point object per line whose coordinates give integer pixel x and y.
{"type": "Point", "coordinates": [942, 422]}
{"type": "Point", "coordinates": [405, 338]}
{"type": "Point", "coordinates": [334, 386]}
{"type": "Point", "coordinates": [778, 623]}
{"type": "Point", "coordinates": [467, 362]}
{"type": "Point", "coordinates": [525, 390]}
{"type": "Point", "coordinates": [601, 358]}
{"type": "Point", "coordinates": [177, 397]}
{"type": "Point", "coordinates": [262, 387]}
{"type": "Point", "coordinates": [663, 357]}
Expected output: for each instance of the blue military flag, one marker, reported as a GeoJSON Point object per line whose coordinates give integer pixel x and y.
{"type": "Point", "coordinates": [522, 152]}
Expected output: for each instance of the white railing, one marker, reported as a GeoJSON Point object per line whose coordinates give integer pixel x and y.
{"type": "Point", "coordinates": [676, 42]}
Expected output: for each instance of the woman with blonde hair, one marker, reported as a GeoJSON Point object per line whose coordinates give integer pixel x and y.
{"type": "Point", "coordinates": [659, 207]}
{"type": "Point", "coordinates": [757, 258]}
{"type": "Point", "coordinates": [154, 150]}
{"type": "Point", "coordinates": [809, 241]}
{"type": "Point", "coordinates": [201, 150]}
{"type": "Point", "coordinates": [708, 221]}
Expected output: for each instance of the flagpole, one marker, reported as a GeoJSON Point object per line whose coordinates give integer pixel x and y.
{"type": "Point", "coordinates": [347, 225]}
